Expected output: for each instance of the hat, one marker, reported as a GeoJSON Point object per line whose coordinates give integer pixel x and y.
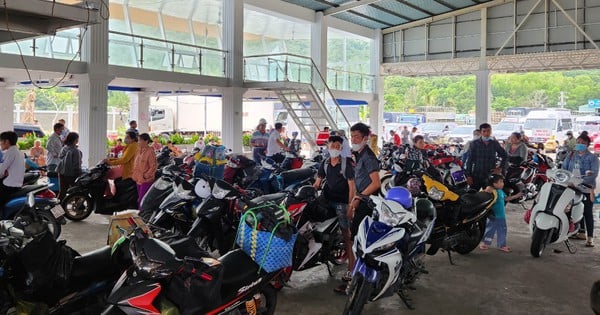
{"type": "Point", "coordinates": [262, 121]}
{"type": "Point", "coordinates": [569, 133]}
{"type": "Point", "coordinates": [145, 137]}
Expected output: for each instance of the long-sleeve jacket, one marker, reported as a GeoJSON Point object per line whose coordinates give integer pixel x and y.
{"type": "Point", "coordinates": [54, 145]}
{"type": "Point", "coordinates": [70, 161]}
{"type": "Point", "coordinates": [127, 160]}
{"type": "Point", "coordinates": [482, 158]}
{"type": "Point", "coordinates": [587, 162]}
{"type": "Point", "coordinates": [144, 167]}
{"type": "Point", "coordinates": [521, 151]}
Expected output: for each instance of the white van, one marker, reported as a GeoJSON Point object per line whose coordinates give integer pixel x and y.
{"type": "Point", "coordinates": [541, 124]}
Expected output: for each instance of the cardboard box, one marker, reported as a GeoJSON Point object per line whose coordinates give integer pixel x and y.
{"type": "Point", "coordinates": [126, 220]}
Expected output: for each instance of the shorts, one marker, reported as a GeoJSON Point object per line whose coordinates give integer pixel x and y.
{"type": "Point", "coordinates": [341, 210]}
{"type": "Point", "coordinates": [362, 210]}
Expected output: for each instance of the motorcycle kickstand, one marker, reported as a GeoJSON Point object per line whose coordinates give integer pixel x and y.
{"type": "Point", "coordinates": [572, 249]}
{"type": "Point", "coordinates": [450, 257]}
{"type": "Point", "coordinates": [406, 299]}
{"type": "Point", "coordinates": [329, 269]}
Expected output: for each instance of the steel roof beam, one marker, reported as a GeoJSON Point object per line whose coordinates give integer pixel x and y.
{"type": "Point", "coordinates": [390, 12]}
{"type": "Point", "coordinates": [349, 6]}
{"type": "Point", "coordinates": [446, 4]}
{"type": "Point", "coordinates": [369, 18]}
{"type": "Point", "coordinates": [410, 5]}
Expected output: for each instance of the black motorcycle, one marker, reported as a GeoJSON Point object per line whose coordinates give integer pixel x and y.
{"type": "Point", "coordinates": [160, 189]}
{"type": "Point", "coordinates": [93, 191]}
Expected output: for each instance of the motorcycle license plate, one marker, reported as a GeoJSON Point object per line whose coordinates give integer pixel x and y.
{"type": "Point", "coordinates": [57, 211]}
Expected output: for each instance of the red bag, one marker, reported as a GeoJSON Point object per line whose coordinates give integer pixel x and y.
{"type": "Point", "coordinates": [527, 216]}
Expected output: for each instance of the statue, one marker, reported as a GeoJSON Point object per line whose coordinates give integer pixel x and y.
{"type": "Point", "coordinates": [28, 106]}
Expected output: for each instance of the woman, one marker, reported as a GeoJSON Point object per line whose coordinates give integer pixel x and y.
{"type": "Point", "coordinates": [144, 166]}
{"type": "Point", "coordinates": [69, 166]}
{"type": "Point", "coordinates": [515, 147]}
{"type": "Point", "coordinates": [156, 145]}
{"type": "Point", "coordinates": [37, 153]}
{"type": "Point", "coordinates": [585, 163]}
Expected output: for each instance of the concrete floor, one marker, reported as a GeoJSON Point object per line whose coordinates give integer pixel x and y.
{"type": "Point", "coordinates": [483, 282]}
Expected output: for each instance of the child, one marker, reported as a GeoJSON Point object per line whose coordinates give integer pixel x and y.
{"type": "Point", "coordinates": [496, 223]}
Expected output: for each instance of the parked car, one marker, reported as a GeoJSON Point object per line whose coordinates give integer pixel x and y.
{"type": "Point", "coordinates": [435, 132]}
{"type": "Point", "coordinates": [461, 134]}
{"type": "Point", "coordinates": [504, 129]}
{"type": "Point", "coordinates": [22, 129]}
{"type": "Point", "coordinates": [551, 144]}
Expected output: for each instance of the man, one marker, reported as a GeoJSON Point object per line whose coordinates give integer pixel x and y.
{"type": "Point", "coordinates": [12, 169]}
{"type": "Point", "coordinates": [65, 130]}
{"type": "Point", "coordinates": [405, 135]}
{"type": "Point", "coordinates": [366, 181]}
{"type": "Point", "coordinates": [259, 141]}
{"type": "Point", "coordinates": [346, 151]}
{"type": "Point", "coordinates": [54, 145]}
{"type": "Point", "coordinates": [338, 191]}
{"type": "Point", "coordinates": [133, 128]}
{"type": "Point", "coordinates": [465, 152]}
{"type": "Point", "coordinates": [118, 148]}
{"type": "Point", "coordinates": [482, 159]}
{"type": "Point", "coordinates": [323, 136]}
{"type": "Point", "coordinates": [414, 132]}
{"type": "Point", "coordinates": [395, 138]}
{"type": "Point", "coordinates": [570, 142]}
{"type": "Point", "coordinates": [128, 157]}
{"type": "Point", "coordinates": [275, 146]}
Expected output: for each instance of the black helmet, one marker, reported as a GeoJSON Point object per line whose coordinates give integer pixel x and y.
{"type": "Point", "coordinates": [425, 210]}
{"type": "Point", "coordinates": [306, 193]}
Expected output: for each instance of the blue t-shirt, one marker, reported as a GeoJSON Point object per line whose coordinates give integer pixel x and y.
{"type": "Point", "coordinates": [498, 207]}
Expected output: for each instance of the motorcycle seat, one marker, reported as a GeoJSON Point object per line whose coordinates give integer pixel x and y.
{"type": "Point", "coordinates": [25, 190]}
{"type": "Point", "coordinates": [297, 175]}
{"type": "Point", "coordinates": [93, 264]}
{"type": "Point", "coordinates": [276, 198]}
{"type": "Point", "coordinates": [238, 270]}
{"type": "Point", "coordinates": [31, 177]}
{"type": "Point", "coordinates": [472, 203]}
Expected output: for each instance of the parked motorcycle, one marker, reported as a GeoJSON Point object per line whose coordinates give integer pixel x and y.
{"type": "Point", "coordinates": [160, 189]}
{"type": "Point", "coordinates": [549, 221]}
{"type": "Point", "coordinates": [96, 191]}
{"type": "Point", "coordinates": [389, 248]}
{"type": "Point", "coordinates": [45, 208]}
{"type": "Point", "coordinates": [161, 283]}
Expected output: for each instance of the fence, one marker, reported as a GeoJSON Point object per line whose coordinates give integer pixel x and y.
{"type": "Point", "coordinates": [116, 119]}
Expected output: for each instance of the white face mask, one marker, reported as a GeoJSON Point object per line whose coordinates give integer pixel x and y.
{"type": "Point", "coordinates": [357, 146]}
{"type": "Point", "coordinates": [334, 153]}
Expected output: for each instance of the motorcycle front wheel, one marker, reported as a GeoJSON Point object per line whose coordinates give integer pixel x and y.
{"type": "Point", "coordinates": [77, 206]}
{"type": "Point", "coordinates": [538, 242]}
{"type": "Point", "coordinates": [268, 301]}
{"type": "Point", "coordinates": [474, 236]}
{"type": "Point", "coordinates": [358, 294]}
{"type": "Point", "coordinates": [386, 184]}
{"type": "Point", "coordinates": [53, 226]}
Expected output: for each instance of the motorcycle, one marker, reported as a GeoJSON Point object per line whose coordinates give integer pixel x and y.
{"type": "Point", "coordinates": [549, 221]}
{"type": "Point", "coordinates": [293, 160]}
{"type": "Point", "coordinates": [46, 207]}
{"type": "Point", "coordinates": [461, 219]}
{"type": "Point", "coordinates": [160, 189]}
{"type": "Point", "coordinates": [389, 249]}
{"type": "Point", "coordinates": [159, 282]}
{"type": "Point", "coordinates": [99, 191]}
{"type": "Point", "coordinates": [42, 275]}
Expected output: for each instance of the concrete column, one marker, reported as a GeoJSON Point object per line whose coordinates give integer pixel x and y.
{"type": "Point", "coordinates": [7, 106]}
{"type": "Point", "coordinates": [139, 109]}
{"type": "Point", "coordinates": [376, 105]}
{"type": "Point", "coordinates": [232, 118]}
{"type": "Point", "coordinates": [93, 93]}
{"type": "Point", "coordinates": [233, 40]}
{"type": "Point", "coordinates": [482, 96]}
{"type": "Point", "coordinates": [318, 43]}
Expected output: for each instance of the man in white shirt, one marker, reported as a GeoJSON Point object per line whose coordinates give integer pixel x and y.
{"type": "Point", "coordinates": [12, 168]}
{"type": "Point", "coordinates": [275, 146]}
{"type": "Point", "coordinates": [65, 131]}
{"type": "Point", "coordinates": [54, 145]}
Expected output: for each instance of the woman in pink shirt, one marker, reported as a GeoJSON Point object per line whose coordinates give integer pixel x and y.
{"type": "Point", "coordinates": [144, 167]}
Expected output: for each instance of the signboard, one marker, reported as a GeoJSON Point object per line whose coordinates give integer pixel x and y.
{"type": "Point", "coordinates": [595, 103]}
{"type": "Point", "coordinates": [541, 133]}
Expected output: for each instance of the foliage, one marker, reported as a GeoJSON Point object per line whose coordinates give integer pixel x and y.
{"type": "Point", "coordinates": [211, 137]}
{"type": "Point", "coordinates": [246, 139]}
{"type": "Point", "coordinates": [177, 138]}
{"type": "Point", "coordinates": [28, 141]}
{"type": "Point", "coordinates": [534, 89]}
{"type": "Point", "coordinates": [194, 138]}
{"type": "Point", "coordinates": [60, 98]}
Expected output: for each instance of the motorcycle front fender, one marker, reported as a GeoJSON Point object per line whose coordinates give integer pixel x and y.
{"type": "Point", "coordinates": [544, 221]}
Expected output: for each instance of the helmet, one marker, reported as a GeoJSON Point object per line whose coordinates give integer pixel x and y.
{"type": "Point", "coordinates": [414, 186]}
{"type": "Point", "coordinates": [425, 210]}
{"type": "Point", "coordinates": [306, 193]}
{"type": "Point", "coordinates": [262, 121]}
{"type": "Point", "coordinates": [400, 195]}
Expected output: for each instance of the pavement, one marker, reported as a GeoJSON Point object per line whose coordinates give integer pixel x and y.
{"type": "Point", "coordinates": [482, 282]}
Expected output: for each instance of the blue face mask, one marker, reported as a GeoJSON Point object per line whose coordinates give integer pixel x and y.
{"type": "Point", "coordinates": [580, 147]}
{"type": "Point", "coordinates": [486, 138]}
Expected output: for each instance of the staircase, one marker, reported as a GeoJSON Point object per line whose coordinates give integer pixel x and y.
{"type": "Point", "coordinates": [302, 90]}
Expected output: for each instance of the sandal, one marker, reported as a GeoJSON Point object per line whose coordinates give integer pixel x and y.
{"type": "Point", "coordinates": [589, 243]}
{"type": "Point", "coordinates": [505, 249]}
{"type": "Point", "coordinates": [483, 246]}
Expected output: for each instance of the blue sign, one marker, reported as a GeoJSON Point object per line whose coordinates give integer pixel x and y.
{"type": "Point", "coordinates": [594, 103]}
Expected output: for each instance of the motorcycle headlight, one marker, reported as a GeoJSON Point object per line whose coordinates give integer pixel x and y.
{"type": "Point", "coordinates": [219, 192]}
{"type": "Point", "coordinates": [562, 177]}
{"type": "Point", "coordinates": [435, 193]}
{"type": "Point", "coordinates": [387, 216]}
{"type": "Point", "coordinates": [384, 247]}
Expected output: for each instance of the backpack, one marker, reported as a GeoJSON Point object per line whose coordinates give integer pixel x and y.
{"type": "Point", "coordinates": [342, 171]}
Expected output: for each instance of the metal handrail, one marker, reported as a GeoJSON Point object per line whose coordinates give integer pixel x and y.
{"type": "Point", "coordinates": [168, 41]}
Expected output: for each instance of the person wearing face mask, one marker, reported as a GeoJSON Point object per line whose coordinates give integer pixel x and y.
{"type": "Point", "coordinates": [366, 180]}
{"type": "Point", "coordinates": [338, 191]}
{"type": "Point", "coordinates": [570, 141]}
{"type": "Point", "coordinates": [128, 157]}
{"type": "Point", "coordinates": [482, 158]}
{"type": "Point", "coordinates": [584, 163]}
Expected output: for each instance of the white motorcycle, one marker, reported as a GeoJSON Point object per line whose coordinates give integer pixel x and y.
{"type": "Point", "coordinates": [389, 248]}
{"type": "Point", "coordinates": [549, 222]}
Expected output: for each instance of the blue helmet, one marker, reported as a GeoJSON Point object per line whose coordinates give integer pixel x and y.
{"type": "Point", "coordinates": [400, 195]}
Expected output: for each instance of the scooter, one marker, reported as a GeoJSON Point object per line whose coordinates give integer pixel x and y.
{"type": "Point", "coordinates": [160, 189]}
{"type": "Point", "coordinates": [389, 249]}
{"type": "Point", "coordinates": [549, 222]}
{"type": "Point", "coordinates": [161, 283]}
{"type": "Point", "coordinates": [99, 191]}
{"type": "Point", "coordinates": [46, 207]}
